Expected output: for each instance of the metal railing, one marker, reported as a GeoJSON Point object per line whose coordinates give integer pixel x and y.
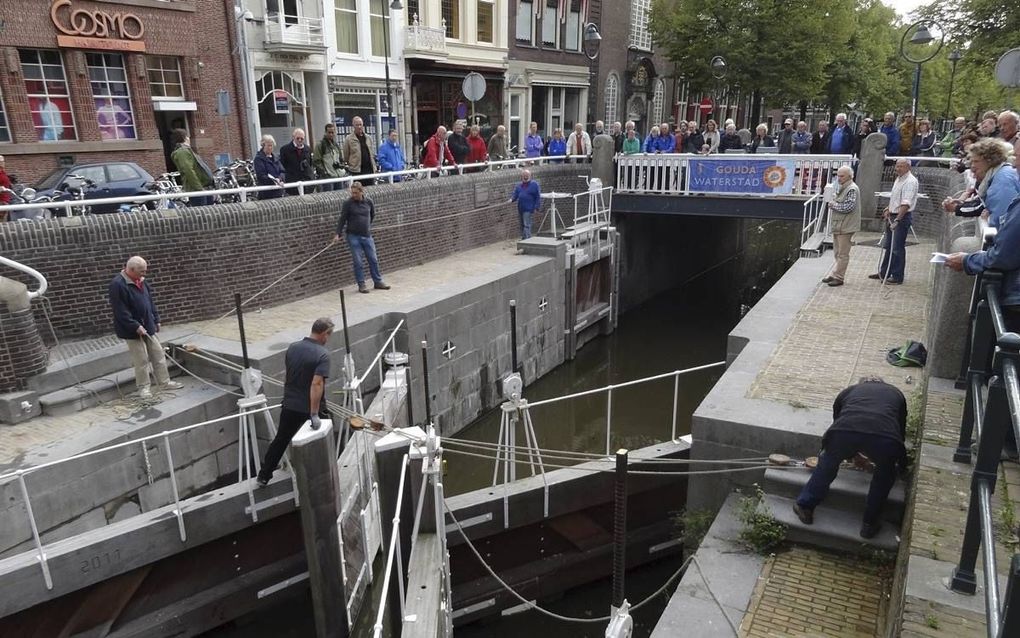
{"type": "Point", "coordinates": [32, 272]}
{"type": "Point", "coordinates": [303, 188]}
{"type": "Point", "coordinates": [815, 217]}
{"type": "Point", "coordinates": [393, 552]}
{"type": "Point", "coordinates": [670, 173]}
{"type": "Point", "coordinates": [422, 39]}
{"type": "Point", "coordinates": [995, 363]}
{"type": "Point", "coordinates": [592, 209]}
{"type": "Point", "coordinates": [282, 28]}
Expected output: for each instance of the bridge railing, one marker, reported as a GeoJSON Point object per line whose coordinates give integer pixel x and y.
{"type": "Point", "coordinates": [670, 173]}
{"type": "Point", "coordinates": [995, 364]}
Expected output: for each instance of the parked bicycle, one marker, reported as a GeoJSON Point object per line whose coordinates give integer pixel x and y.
{"type": "Point", "coordinates": [75, 188]}
{"type": "Point", "coordinates": [22, 194]}
{"type": "Point", "coordinates": [165, 184]}
{"type": "Point", "coordinates": [238, 174]}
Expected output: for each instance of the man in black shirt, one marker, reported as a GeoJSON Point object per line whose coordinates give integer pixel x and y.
{"type": "Point", "coordinates": [355, 223]}
{"type": "Point", "coordinates": [869, 418]}
{"type": "Point", "coordinates": [307, 371]}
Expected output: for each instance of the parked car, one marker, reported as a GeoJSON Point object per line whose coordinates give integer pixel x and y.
{"type": "Point", "coordinates": [98, 181]}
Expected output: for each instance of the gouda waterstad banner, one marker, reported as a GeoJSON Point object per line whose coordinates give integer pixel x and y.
{"type": "Point", "coordinates": [742, 176]}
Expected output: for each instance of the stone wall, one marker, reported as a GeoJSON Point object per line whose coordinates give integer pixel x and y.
{"type": "Point", "coordinates": [21, 350]}
{"type": "Point", "coordinates": [198, 258]}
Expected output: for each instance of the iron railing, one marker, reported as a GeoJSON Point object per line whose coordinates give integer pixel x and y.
{"type": "Point", "coordinates": [994, 364]}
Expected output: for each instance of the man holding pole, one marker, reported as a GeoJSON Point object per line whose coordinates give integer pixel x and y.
{"type": "Point", "coordinates": [897, 216]}
{"type": "Point", "coordinates": [528, 195]}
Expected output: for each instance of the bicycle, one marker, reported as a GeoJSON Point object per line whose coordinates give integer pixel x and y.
{"type": "Point", "coordinates": [26, 195]}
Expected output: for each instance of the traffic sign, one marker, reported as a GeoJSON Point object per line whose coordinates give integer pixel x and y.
{"type": "Point", "coordinates": [474, 86]}
{"type": "Point", "coordinates": [706, 105]}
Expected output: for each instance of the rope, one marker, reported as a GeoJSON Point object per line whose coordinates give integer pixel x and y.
{"type": "Point", "coordinates": [200, 379]}
{"type": "Point", "coordinates": [590, 456]}
{"type": "Point", "coordinates": [712, 594]}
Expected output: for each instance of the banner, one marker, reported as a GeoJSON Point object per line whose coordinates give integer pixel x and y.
{"type": "Point", "coordinates": [742, 176]}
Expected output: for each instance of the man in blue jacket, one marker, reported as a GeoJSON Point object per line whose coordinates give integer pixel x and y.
{"type": "Point", "coordinates": [390, 156]}
{"type": "Point", "coordinates": [136, 320]}
{"type": "Point", "coordinates": [528, 195]}
{"type": "Point", "coordinates": [892, 135]}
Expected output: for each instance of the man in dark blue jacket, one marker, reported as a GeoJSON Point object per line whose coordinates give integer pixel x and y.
{"type": "Point", "coordinates": [136, 320]}
{"type": "Point", "coordinates": [528, 195]}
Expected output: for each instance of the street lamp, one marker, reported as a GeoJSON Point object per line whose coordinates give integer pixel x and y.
{"type": "Point", "coordinates": [394, 6]}
{"type": "Point", "coordinates": [718, 68]}
{"type": "Point", "coordinates": [954, 57]}
{"type": "Point", "coordinates": [591, 42]}
{"type": "Point", "coordinates": [920, 36]}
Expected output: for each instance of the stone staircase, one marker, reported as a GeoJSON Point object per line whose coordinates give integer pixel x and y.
{"type": "Point", "coordinates": [837, 520]}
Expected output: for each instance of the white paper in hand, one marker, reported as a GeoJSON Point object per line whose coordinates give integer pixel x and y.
{"type": "Point", "coordinates": [939, 258]}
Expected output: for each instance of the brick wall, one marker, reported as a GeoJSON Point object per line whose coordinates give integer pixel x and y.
{"type": "Point", "coordinates": [198, 258]}
{"type": "Point", "coordinates": [22, 353]}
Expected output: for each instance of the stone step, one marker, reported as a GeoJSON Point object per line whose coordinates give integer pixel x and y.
{"type": "Point", "coordinates": [848, 492]}
{"type": "Point", "coordinates": [833, 529]}
{"type": "Point", "coordinates": [64, 371]}
{"type": "Point", "coordinates": [89, 394]}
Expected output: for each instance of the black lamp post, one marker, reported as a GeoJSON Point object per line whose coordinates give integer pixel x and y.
{"type": "Point", "coordinates": [591, 42]}
{"type": "Point", "coordinates": [921, 36]}
{"type": "Point", "coordinates": [394, 6]}
{"type": "Point", "coordinates": [954, 57]}
{"type": "Point", "coordinates": [718, 68]}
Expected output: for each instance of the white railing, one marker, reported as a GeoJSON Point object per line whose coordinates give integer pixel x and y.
{"type": "Point", "coordinates": [293, 29]}
{"type": "Point", "coordinates": [670, 173]}
{"type": "Point", "coordinates": [420, 39]}
{"type": "Point", "coordinates": [592, 210]}
{"type": "Point", "coordinates": [28, 271]}
{"type": "Point", "coordinates": [814, 218]}
{"type": "Point", "coordinates": [393, 552]}
{"type": "Point", "coordinates": [245, 192]}
{"type": "Point", "coordinates": [377, 363]}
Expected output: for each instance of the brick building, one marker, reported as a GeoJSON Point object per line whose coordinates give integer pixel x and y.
{"type": "Point", "coordinates": [94, 80]}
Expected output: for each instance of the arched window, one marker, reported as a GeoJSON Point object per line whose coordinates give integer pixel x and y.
{"type": "Point", "coordinates": [612, 97]}
{"type": "Point", "coordinates": [281, 103]}
{"type": "Point", "coordinates": [657, 97]}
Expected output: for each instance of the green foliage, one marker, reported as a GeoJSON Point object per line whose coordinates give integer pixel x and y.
{"type": "Point", "coordinates": [761, 532]}
{"type": "Point", "coordinates": [931, 621]}
{"type": "Point", "coordinates": [693, 525]}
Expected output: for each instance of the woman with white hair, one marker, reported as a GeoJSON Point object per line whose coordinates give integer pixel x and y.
{"type": "Point", "coordinates": [997, 182]}
{"type": "Point", "coordinates": [268, 169]}
{"type": "Point", "coordinates": [730, 140]}
{"type": "Point", "coordinates": [845, 209]}
{"type": "Point", "coordinates": [762, 139]}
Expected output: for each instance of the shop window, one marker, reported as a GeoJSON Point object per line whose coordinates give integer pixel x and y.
{"type": "Point", "coordinates": [164, 78]}
{"type": "Point", "coordinates": [48, 96]}
{"type": "Point", "coordinates": [525, 21]}
{"type": "Point", "coordinates": [550, 23]}
{"type": "Point", "coordinates": [379, 11]}
{"type": "Point", "coordinates": [572, 39]}
{"type": "Point", "coordinates": [5, 131]}
{"type": "Point", "coordinates": [486, 14]}
{"type": "Point", "coordinates": [612, 97]}
{"type": "Point", "coordinates": [110, 92]}
{"type": "Point", "coordinates": [451, 13]}
{"type": "Point", "coordinates": [347, 26]}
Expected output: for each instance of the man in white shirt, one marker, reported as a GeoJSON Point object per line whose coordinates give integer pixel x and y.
{"type": "Point", "coordinates": [897, 216]}
{"type": "Point", "coordinates": [579, 142]}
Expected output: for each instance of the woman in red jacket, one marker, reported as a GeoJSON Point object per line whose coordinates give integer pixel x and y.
{"type": "Point", "coordinates": [479, 151]}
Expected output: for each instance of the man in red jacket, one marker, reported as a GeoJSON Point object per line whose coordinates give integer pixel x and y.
{"type": "Point", "coordinates": [436, 150]}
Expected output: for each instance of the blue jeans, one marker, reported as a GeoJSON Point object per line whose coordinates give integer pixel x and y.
{"type": "Point", "coordinates": [525, 220]}
{"type": "Point", "coordinates": [362, 247]}
{"type": "Point", "coordinates": [894, 259]}
{"type": "Point", "coordinates": [883, 452]}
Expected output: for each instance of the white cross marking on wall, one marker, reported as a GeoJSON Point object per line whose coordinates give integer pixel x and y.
{"type": "Point", "coordinates": [542, 304]}
{"type": "Point", "coordinates": [448, 349]}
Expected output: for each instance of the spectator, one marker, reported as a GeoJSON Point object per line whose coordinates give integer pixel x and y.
{"type": "Point", "coordinates": [841, 140]}
{"type": "Point", "coordinates": [869, 418]}
{"type": "Point", "coordinates": [328, 159]}
{"type": "Point", "coordinates": [296, 158]}
{"type": "Point", "coordinates": [631, 126]}
{"type": "Point", "coordinates": [695, 140]}
{"type": "Point", "coordinates": [988, 127]}
{"type": "Point", "coordinates": [908, 129]}
{"type": "Point", "coordinates": [579, 143]}
{"type": "Point", "coordinates": [5, 182]}
{"type": "Point", "coordinates": [359, 151]}
{"type": "Point", "coordinates": [391, 156]}
{"type": "Point", "coordinates": [924, 141]}
{"type": "Point", "coordinates": [897, 215]}
{"type": "Point", "coordinates": [730, 140]}
{"type": "Point", "coordinates": [533, 143]}
{"type": "Point", "coordinates": [712, 137]}
{"type": "Point", "coordinates": [355, 224]}
{"type": "Point", "coordinates": [437, 151]}
{"type": "Point", "coordinates": [845, 209]}
{"type": "Point", "coordinates": [136, 320]}
{"type": "Point", "coordinates": [268, 170]}
{"type": "Point", "coordinates": [528, 195]}
{"type": "Point", "coordinates": [557, 145]}
{"type": "Point", "coordinates": [997, 181]}
{"type": "Point", "coordinates": [785, 141]}
{"type": "Point", "coordinates": [1009, 123]}
{"type": "Point", "coordinates": [892, 135]}
{"type": "Point", "coordinates": [667, 144]}
{"type": "Point", "coordinates": [631, 145]}
{"type": "Point", "coordinates": [762, 139]}
{"type": "Point", "coordinates": [802, 139]}
{"type": "Point", "coordinates": [458, 143]}
{"type": "Point", "coordinates": [477, 153]}
{"type": "Point", "coordinates": [498, 145]}
{"type": "Point", "coordinates": [307, 368]}
{"type": "Point", "coordinates": [652, 141]}
{"type": "Point", "coordinates": [951, 139]}
{"type": "Point", "coordinates": [618, 137]}
{"type": "Point", "coordinates": [600, 127]}
{"type": "Point", "coordinates": [195, 174]}
{"type": "Point", "coordinates": [866, 129]}
{"type": "Point", "coordinates": [820, 141]}
{"type": "Point", "coordinates": [680, 138]}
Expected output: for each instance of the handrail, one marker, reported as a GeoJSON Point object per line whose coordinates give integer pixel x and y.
{"type": "Point", "coordinates": [994, 361]}
{"type": "Point", "coordinates": [244, 191]}
{"type": "Point", "coordinates": [393, 550]}
{"type": "Point", "coordinates": [390, 342]}
{"type": "Point", "coordinates": [28, 270]}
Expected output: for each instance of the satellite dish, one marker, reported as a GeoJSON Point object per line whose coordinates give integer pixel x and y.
{"type": "Point", "coordinates": [1007, 69]}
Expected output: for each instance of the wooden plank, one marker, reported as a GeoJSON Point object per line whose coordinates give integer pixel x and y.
{"type": "Point", "coordinates": [424, 588]}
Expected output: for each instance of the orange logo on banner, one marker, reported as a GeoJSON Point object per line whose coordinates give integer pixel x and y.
{"type": "Point", "coordinates": [774, 176]}
{"type": "Point", "coordinates": [96, 29]}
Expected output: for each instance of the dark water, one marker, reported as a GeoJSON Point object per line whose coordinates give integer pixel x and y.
{"type": "Point", "coordinates": [683, 327]}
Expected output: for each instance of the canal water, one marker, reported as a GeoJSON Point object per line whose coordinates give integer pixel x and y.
{"type": "Point", "coordinates": [683, 327]}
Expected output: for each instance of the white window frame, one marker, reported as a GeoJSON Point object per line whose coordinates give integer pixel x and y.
{"type": "Point", "coordinates": [640, 36]}
{"type": "Point", "coordinates": [371, 32]}
{"type": "Point", "coordinates": [530, 13]}
{"type": "Point", "coordinates": [350, 13]}
{"type": "Point", "coordinates": [47, 95]}
{"type": "Point", "coordinates": [454, 28]}
{"type": "Point", "coordinates": [612, 98]}
{"type": "Point", "coordinates": [658, 98]}
{"type": "Point", "coordinates": [5, 123]}
{"type": "Point", "coordinates": [555, 44]}
{"type": "Point", "coordinates": [576, 30]}
{"type": "Point", "coordinates": [162, 70]}
{"type": "Point", "coordinates": [492, 25]}
{"type": "Point", "coordinates": [110, 95]}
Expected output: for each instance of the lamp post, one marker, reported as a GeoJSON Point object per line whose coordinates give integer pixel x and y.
{"type": "Point", "coordinates": [921, 36]}
{"type": "Point", "coordinates": [718, 68]}
{"type": "Point", "coordinates": [591, 42]}
{"type": "Point", "coordinates": [394, 6]}
{"type": "Point", "coordinates": [954, 57]}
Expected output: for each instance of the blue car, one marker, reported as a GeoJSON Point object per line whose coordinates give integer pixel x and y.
{"type": "Point", "coordinates": [98, 181]}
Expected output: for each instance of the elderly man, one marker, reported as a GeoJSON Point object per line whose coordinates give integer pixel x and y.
{"type": "Point", "coordinates": [579, 143]}
{"type": "Point", "coordinates": [600, 127]}
{"type": "Point", "coordinates": [360, 153]}
{"type": "Point", "coordinates": [892, 134]}
{"type": "Point", "coordinates": [897, 215]}
{"type": "Point", "coordinates": [355, 224]}
{"type": "Point", "coordinates": [136, 320]}
{"type": "Point", "coordinates": [1009, 123]}
{"type": "Point", "coordinates": [296, 158]}
{"type": "Point", "coordinates": [437, 150]}
{"type": "Point", "coordinates": [842, 142]}
{"type": "Point", "coordinates": [528, 195]}
{"type": "Point", "coordinates": [785, 139]}
{"type": "Point", "coordinates": [618, 137]}
{"type": "Point", "coordinates": [533, 142]}
{"type": "Point", "coordinates": [667, 143]}
{"type": "Point", "coordinates": [498, 145]}
{"type": "Point", "coordinates": [458, 142]}
{"type": "Point", "coordinates": [845, 211]}
{"type": "Point", "coordinates": [821, 141]}
{"type": "Point", "coordinates": [802, 138]}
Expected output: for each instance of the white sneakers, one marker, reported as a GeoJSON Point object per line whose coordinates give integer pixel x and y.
{"type": "Point", "coordinates": [145, 393]}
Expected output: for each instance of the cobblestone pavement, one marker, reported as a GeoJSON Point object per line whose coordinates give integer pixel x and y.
{"type": "Point", "coordinates": [843, 333]}
{"type": "Point", "coordinates": [806, 592]}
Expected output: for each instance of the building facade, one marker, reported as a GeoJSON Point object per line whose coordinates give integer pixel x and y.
{"type": "Point", "coordinates": [95, 80]}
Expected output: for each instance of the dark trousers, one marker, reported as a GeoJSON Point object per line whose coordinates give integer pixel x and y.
{"type": "Point", "coordinates": [290, 423]}
{"type": "Point", "coordinates": [894, 259]}
{"type": "Point", "coordinates": [884, 452]}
